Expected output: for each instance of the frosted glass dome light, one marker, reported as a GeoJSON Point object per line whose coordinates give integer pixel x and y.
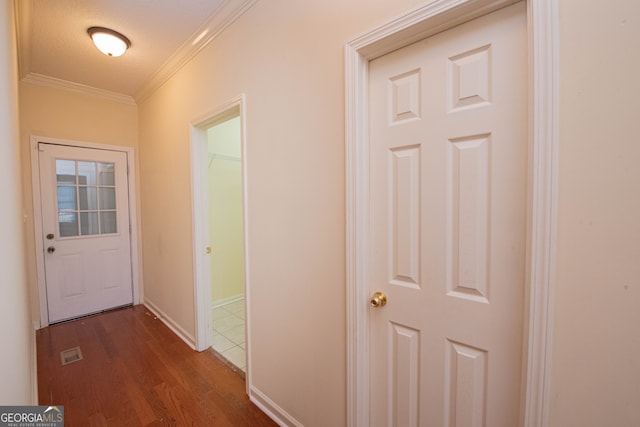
{"type": "Point", "coordinates": [109, 42]}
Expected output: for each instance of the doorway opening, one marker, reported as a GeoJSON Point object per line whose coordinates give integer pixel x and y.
{"type": "Point", "coordinates": [224, 172]}
{"type": "Point", "coordinates": [220, 229]}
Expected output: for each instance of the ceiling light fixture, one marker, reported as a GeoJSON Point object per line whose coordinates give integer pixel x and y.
{"type": "Point", "coordinates": [109, 42]}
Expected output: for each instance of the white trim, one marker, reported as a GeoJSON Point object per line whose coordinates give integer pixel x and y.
{"type": "Point", "coordinates": [223, 157]}
{"type": "Point", "coordinates": [544, 72]}
{"type": "Point", "coordinates": [226, 301]}
{"type": "Point", "coordinates": [136, 273]}
{"type": "Point", "coordinates": [418, 24]}
{"type": "Point", "coordinates": [200, 229]}
{"type": "Point", "coordinates": [219, 21]}
{"type": "Point", "coordinates": [56, 83]}
{"type": "Point", "coordinates": [235, 107]}
{"type": "Point", "coordinates": [23, 10]}
{"type": "Point", "coordinates": [269, 407]}
{"type": "Point", "coordinates": [37, 229]}
{"type": "Point", "coordinates": [170, 323]}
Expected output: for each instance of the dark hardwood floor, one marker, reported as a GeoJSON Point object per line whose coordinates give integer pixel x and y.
{"type": "Point", "coordinates": [136, 372]}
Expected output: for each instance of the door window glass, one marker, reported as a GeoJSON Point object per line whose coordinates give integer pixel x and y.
{"type": "Point", "coordinates": [86, 173]}
{"type": "Point", "coordinates": [106, 173]}
{"type": "Point", "coordinates": [108, 222]}
{"type": "Point", "coordinates": [89, 223]}
{"type": "Point", "coordinates": [107, 198]}
{"type": "Point", "coordinates": [86, 198]}
{"type": "Point", "coordinates": [66, 171]}
{"type": "Point", "coordinates": [68, 224]}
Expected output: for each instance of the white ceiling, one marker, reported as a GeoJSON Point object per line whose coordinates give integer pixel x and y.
{"type": "Point", "coordinates": [54, 45]}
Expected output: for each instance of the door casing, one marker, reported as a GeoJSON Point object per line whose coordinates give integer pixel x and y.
{"type": "Point", "coordinates": [37, 217]}
{"type": "Point", "coordinates": [542, 198]}
{"type": "Point", "coordinates": [232, 108]}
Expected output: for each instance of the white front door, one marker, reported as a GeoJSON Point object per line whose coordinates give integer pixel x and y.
{"type": "Point", "coordinates": [85, 222]}
{"type": "Point", "coordinates": [448, 198]}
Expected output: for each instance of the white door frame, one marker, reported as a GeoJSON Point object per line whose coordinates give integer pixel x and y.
{"type": "Point", "coordinates": [37, 216]}
{"type": "Point", "coordinates": [199, 178]}
{"type": "Point", "coordinates": [542, 204]}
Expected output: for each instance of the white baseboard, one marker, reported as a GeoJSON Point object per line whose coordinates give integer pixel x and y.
{"type": "Point", "coordinates": [275, 412]}
{"type": "Point", "coordinates": [228, 300]}
{"type": "Point", "coordinates": [171, 324]}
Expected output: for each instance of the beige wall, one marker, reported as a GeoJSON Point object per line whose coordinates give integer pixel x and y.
{"type": "Point", "coordinates": [596, 362]}
{"type": "Point", "coordinates": [63, 114]}
{"type": "Point", "coordinates": [16, 332]}
{"type": "Point", "coordinates": [287, 57]}
{"type": "Point", "coordinates": [225, 211]}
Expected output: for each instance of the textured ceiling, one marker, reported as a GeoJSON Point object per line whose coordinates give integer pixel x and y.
{"type": "Point", "coordinates": [54, 41]}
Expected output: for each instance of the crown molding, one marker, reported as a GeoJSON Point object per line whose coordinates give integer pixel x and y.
{"type": "Point", "coordinates": [219, 21]}
{"type": "Point", "coordinates": [56, 83]}
{"type": "Point", "coordinates": [23, 10]}
{"type": "Point", "coordinates": [23, 21]}
{"type": "Point", "coordinates": [224, 16]}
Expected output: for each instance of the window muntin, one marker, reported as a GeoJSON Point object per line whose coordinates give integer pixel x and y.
{"type": "Point", "coordinates": [86, 195]}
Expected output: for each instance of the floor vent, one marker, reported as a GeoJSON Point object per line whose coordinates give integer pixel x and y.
{"type": "Point", "coordinates": [71, 355]}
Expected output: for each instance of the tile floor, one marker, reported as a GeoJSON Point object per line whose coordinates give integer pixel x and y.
{"type": "Point", "coordinates": [229, 333]}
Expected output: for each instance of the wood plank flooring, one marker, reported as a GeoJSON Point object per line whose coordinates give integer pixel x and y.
{"type": "Point", "coordinates": [136, 372]}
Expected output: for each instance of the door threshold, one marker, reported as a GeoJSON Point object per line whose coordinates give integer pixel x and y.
{"type": "Point", "coordinates": [228, 363]}
{"type": "Point", "coordinates": [95, 313]}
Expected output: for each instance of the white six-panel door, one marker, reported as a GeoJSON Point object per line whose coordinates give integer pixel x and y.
{"type": "Point", "coordinates": [448, 161]}
{"type": "Point", "coordinates": [86, 236]}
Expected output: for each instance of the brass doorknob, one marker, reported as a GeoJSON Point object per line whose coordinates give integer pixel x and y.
{"type": "Point", "coordinates": [51, 249]}
{"type": "Point", "coordinates": [378, 299]}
